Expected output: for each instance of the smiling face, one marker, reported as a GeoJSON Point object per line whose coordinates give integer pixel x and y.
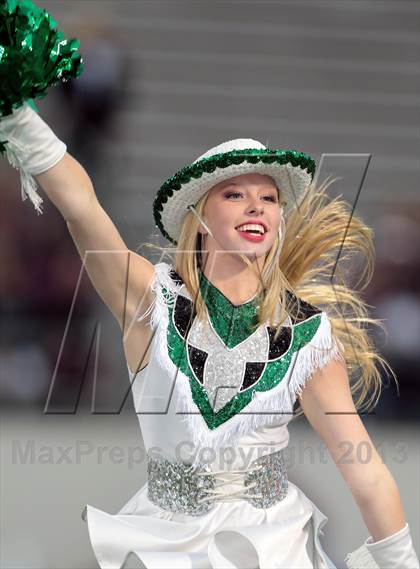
{"type": "Point", "coordinates": [244, 215]}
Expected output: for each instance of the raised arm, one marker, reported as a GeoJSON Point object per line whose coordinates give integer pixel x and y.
{"type": "Point", "coordinates": [121, 277]}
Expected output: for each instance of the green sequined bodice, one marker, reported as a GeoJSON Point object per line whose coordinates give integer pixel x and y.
{"type": "Point", "coordinates": [233, 323]}
{"type": "Point", "coordinates": [229, 361]}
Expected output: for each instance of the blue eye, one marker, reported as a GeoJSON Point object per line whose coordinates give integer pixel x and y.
{"type": "Point", "coordinates": [235, 194]}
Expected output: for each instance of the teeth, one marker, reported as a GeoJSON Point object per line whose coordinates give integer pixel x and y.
{"type": "Point", "coordinates": [252, 227]}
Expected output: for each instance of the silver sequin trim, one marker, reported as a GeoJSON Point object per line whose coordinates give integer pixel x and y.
{"type": "Point", "coordinates": [180, 488]}
{"type": "Point", "coordinates": [224, 369]}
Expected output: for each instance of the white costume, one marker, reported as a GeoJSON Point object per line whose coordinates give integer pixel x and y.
{"type": "Point", "coordinates": [232, 391]}
{"type": "Point", "coordinates": [229, 388]}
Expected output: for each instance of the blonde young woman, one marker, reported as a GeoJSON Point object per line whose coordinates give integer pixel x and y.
{"type": "Point", "coordinates": [228, 340]}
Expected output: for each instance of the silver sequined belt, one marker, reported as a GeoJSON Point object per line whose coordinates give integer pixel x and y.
{"type": "Point", "coordinates": [178, 487]}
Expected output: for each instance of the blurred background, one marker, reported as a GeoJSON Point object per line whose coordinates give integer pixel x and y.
{"type": "Point", "coordinates": [163, 82]}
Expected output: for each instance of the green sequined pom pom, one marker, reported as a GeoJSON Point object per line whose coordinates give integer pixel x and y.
{"type": "Point", "coordinates": [34, 54]}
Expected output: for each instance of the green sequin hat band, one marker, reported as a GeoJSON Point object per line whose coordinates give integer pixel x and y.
{"type": "Point", "coordinates": [292, 172]}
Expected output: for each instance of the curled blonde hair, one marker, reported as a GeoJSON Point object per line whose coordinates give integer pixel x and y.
{"type": "Point", "coordinates": [318, 233]}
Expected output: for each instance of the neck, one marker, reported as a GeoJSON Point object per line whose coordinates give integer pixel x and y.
{"type": "Point", "coordinates": [232, 277]}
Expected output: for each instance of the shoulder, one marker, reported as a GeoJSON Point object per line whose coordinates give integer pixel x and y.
{"type": "Point", "coordinates": [168, 284]}
{"type": "Point", "coordinates": [314, 341]}
{"type": "Point", "coordinates": [313, 328]}
{"type": "Point", "coordinates": [166, 276]}
{"type": "Point", "coordinates": [299, 310]}
{"type": "Point", "coordinates": [313, 322]}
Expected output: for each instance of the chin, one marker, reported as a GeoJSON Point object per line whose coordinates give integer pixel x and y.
{"type": "Point", "coordinates": [250, 250]}
{"type": "Point", "coordinates": [255, 253]}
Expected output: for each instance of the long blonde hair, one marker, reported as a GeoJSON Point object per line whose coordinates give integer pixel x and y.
{"type": "Point", "coordinates": [318, 233]}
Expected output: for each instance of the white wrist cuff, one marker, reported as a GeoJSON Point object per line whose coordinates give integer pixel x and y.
{"type": "Point", "coordinates": [31, 147]}
{"type": "Point", "coordinates": [393, 551]}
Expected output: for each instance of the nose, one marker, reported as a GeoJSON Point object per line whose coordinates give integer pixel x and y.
{"type": "Point", "coordinates": [255, 206]}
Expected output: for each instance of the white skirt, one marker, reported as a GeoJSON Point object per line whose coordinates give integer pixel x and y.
{"type": "Point", "coordinates": [234, 534]}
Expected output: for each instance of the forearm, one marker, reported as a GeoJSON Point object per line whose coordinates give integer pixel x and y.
{"type": "Point", "coordinates": [389, 544]}
{"type": "Point", "coordinates": [69, 187]}
{"type": "Point", "coordinates": [382, 508]}
{"type": "Point", "coordinates": [41, 158]}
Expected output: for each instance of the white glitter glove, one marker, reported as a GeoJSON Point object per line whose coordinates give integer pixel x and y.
{"type": "Point", "coordinates": [31, 147]}
{"type": "Point", "coordinates": [393, 552]}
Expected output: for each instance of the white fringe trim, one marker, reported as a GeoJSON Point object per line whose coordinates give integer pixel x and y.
{"type": "Point", "coordinates": [272, 406]}
{"type": "Point", "coordinates": [360, 558]}
{"type": "Point", "coordinates": [315, 355]}
{"type": "Point", "coordinates": [16, 153]}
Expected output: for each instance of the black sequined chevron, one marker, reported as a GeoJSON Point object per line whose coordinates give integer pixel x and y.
{"type": "Point", "coordinates": [232, 358]}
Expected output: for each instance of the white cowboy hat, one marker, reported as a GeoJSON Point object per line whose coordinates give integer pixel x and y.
{"type": "Point", "coordinates": [292, 172]}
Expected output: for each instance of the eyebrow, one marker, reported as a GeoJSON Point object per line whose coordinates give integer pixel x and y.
{"type": "Point", "coordinates": [227, 184]}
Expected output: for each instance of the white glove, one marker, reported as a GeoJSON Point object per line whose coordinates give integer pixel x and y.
{"type": "Point", "coordinates": [31, 147]}
{"type": "Point", "coordinates": [393, 552]}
